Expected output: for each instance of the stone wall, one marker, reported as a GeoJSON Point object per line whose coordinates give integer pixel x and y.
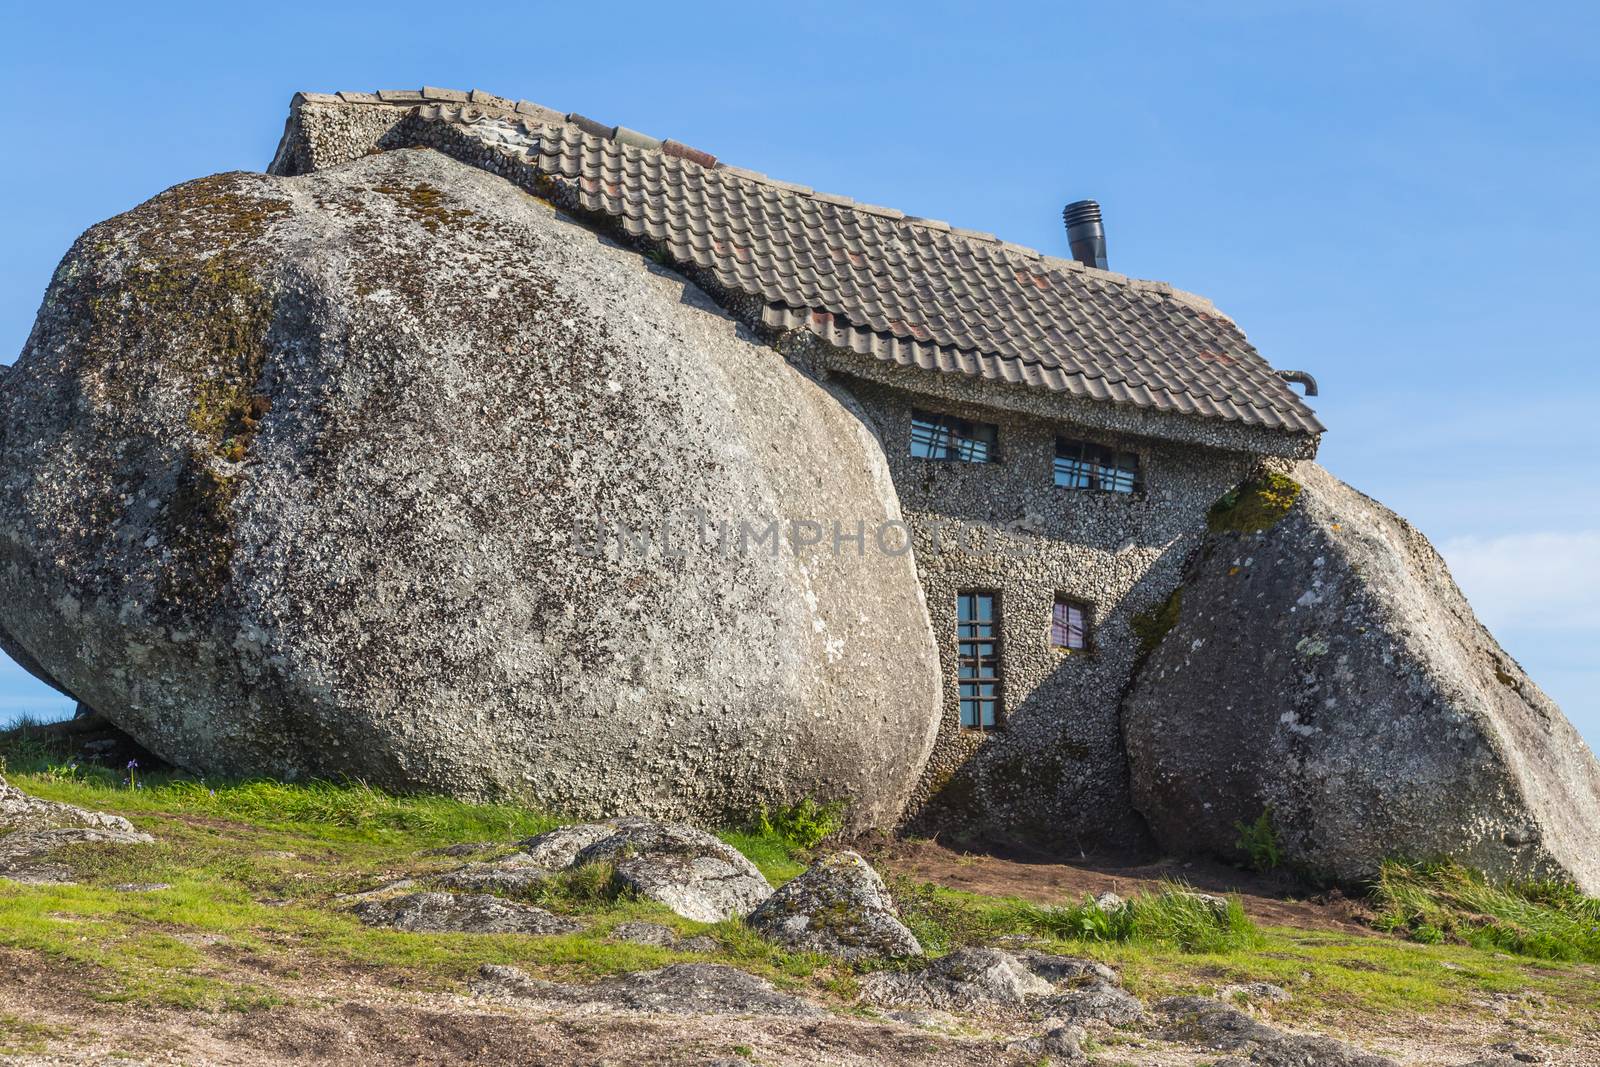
{"type": "Point", "coordinates": [1055, 774]}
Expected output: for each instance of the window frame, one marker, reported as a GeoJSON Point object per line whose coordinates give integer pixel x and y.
{"type": "Point", "coordinates": [951, 433]}
{"type": "Point", "coordinates": [988, 669]}
{"type": "Point", "coordinates": [1093, 459]}
{"type": "Point", "coordinates": [1086, 610]}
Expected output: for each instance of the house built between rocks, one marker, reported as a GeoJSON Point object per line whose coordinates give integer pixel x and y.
{"type": "Point", "coordinates": [1056, 432]}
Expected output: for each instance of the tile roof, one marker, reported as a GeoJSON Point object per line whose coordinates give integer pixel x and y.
{"type": "Point", "coordinates": [897, 288]}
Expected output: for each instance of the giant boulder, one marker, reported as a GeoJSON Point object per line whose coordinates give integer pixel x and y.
{"type": "Point", "coordinates": [1326, 670]}
{"type": "Point", "coordinates": [301, 477]}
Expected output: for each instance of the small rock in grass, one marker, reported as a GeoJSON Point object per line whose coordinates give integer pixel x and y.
{"type": "Point", "coordinates": [516, 873]}
{"type": "Point", "coordinates": [558, 849]}
{"type": "Point", "coordinates": [1220, 1028]}
{"type": "Point", "coordinates": [838, 907]}
{"type": "Point", "coordinates": [467, 848]}
{"type": "Point", "coordinates": [642, 933]}
{"type": "Point", "coordinates": [1059, 970]}
{"type": "Point", "coordinates": [971, 979]}
{"type": "Point", "coordinates": [688, 870]}
{"type": "Point", "coordinates": [1060, 1044]}
{"type": "Point", "coordinates": [1254, 992]}
{"type": "Point", "coordinates": [462, 914]}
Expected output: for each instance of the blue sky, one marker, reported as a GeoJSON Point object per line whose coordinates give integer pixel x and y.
{"type": "Point", "coordinates": [1398, 198]}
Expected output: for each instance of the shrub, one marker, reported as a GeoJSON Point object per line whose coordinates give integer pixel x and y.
{"type": "Point", "coordinates": [1260, 841]}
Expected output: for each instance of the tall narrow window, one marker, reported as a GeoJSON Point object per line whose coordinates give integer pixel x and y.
{"type": "Point", "coordinates": [935, 436]}
{"type": "Point", "coordinates": [979, 638]}
{"type": "Point", "coordinates": [1084, 465]}
{"type": "Point", "coordinates": [1069, 625]}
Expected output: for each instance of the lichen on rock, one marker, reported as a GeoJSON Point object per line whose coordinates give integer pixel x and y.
{"type": "Point", "coordinates": [1328, 668]}
{"type": "Point", "coordinates": [839, 907]}
{"type": "Point", "coordinates": [298, 475]}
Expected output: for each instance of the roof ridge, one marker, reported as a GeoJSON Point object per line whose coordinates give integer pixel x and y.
{"type": "Point", "coordinates": [622, 135]}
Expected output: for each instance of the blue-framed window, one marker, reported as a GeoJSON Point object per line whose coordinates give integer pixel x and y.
{"type": "Point", "coordinates": [935, 436]}
{"type": "Point", "coordinates": [1084, 465]}
{"type": "Point", "coordinates": [978, 635]}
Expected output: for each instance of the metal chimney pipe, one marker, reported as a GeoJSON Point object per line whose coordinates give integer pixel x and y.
{"type": "Point", "coordinates": [1085, 234]}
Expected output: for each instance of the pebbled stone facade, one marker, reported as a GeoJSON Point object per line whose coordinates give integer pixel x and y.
{"type": "Point", "coordinates": [1054, 774]}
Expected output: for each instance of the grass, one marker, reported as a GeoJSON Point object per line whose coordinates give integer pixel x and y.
{"type": "Point", "coordinates": [256, 869]}
{"type": "Point", "coordinates": [1436, 903]}
{"type": "Point", "coordinates": [1173, 918]}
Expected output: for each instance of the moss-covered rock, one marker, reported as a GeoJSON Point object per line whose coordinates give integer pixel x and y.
{"type": "Point", "coordinates": [301, 477]}
{"type": "Point", "coordinates": [1256, 505]}
{"type": "Point", "coordinates": [1326, 668]}
{"type": "Point", "coordinates": [838, 907]}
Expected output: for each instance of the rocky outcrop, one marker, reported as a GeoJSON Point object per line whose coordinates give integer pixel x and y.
{"type": "Point", "coordinates": [471, 913]}
{"type": "Point", "coordinates": [289, 475]}
{"type": "Point", "coordinates": [981, 980]}
{"type": "Point", "coordinates": [688, 870]}
{"type": "Point", "coordinates": [1213, 1025]}
{"type": "Point", "coordinates": [31, 830]}
{"type": "Point", "coordinates": [838, 907]}
{"type": "Point", "coordinates": [1320, 666]}
{"type": "Point", "coordinates": [682, 989]}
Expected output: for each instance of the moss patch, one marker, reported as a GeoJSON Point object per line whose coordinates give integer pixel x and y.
{"type": "Point", "coordinates": [425, 203]}
{"type": "Point", "coordinates": [1151, 627]}
{"type": "Point", "coordinates": [178, 285]}
{"type": "Point", "coordinates": [1259, 504]}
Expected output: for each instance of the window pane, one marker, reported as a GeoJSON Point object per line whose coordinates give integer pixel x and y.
{"type": "Point", "coordinates": [929, 440]}
{"type": "Point", "coordinates": [1085, 465]}
{"type": "Point", "coordinates": [988, 713]}
{"type": "Point", "coordinates": [935, 436]}
{"type": "Point", "coordinates": [1069, 625]}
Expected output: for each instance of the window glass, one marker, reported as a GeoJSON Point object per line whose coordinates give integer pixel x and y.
{"type": "Point", "coordinates": [978, 656]}
{"type": "Point", "coordinates": [935, 436]}
{"type": "Point", "coordinates": [1069, 625]}
{"type": "Point", "coordinates": [1085, 465]}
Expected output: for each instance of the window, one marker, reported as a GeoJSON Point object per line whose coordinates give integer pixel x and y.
{"type": "Point", "coordinates": [979, 639]}
{"type": "Point", "coordinates": [947, 437]}
{"type": "Point", "coordinates": [1069, 625]}
{"type": "Point", "coordinates": [1081, 465]}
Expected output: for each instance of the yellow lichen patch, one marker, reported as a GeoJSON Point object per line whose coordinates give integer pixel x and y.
{"type": "Point", "coordinates": [425, 203]}
{"type": "Point", "coordinates": [1256, 505]}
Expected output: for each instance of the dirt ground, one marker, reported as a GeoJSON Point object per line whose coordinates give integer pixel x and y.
{"type": "Point", "coordinates": [1018, 874]}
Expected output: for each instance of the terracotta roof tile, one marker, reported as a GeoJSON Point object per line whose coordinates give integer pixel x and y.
{"type": "Point", "coordinates": [905, 290]}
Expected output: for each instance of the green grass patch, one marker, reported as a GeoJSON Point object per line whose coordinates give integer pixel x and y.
{"type": "Point", "coordinates": [1444, 902]}
{"type": "Point", "coordinates": [1174, 918]}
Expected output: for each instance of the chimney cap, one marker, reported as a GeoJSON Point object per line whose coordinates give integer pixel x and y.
{"type": "Point", "coordinates": [1085, 233]}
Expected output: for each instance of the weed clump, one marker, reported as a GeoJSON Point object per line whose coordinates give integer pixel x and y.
{"type": "Point", "coordinates": [1444, 902]}
{"type": "Point", "coordinates": [1175, 916]}
{"type": "Point", "coordinates": [1259, 840]}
